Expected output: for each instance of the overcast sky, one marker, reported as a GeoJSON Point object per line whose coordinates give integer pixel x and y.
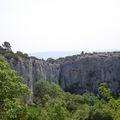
{"type": "Point", "coordinates": [60, 25]}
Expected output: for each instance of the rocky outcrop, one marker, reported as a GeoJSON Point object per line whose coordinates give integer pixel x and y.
{"type": "Point", "coordinates": [32, 70]}
{"type": "Point", "coordinates": [85, 73]}
{"type": "Point", "coordinates": [77, 74]}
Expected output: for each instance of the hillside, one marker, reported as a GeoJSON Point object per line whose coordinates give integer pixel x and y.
{"type": "Point", "coordinates": [76, 74]}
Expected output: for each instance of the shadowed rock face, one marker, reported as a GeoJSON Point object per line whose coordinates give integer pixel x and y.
{"type": "Point", "coordinates": [76, 74]}
{"type": "Point", "coordinates": [86, 73]}
{"type": "Point", "coordinates": [32, 70]}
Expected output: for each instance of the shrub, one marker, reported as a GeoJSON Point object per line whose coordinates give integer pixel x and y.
{"type": "Point", "coordinates": [11, 93]}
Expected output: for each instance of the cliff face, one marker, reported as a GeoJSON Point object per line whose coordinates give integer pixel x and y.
{"type": "Point", "coordinates": [76, 74]}
{"type": "Point", "coordinates": [86, 73]}
{"type": "Point", "coordinates": [32, 70]}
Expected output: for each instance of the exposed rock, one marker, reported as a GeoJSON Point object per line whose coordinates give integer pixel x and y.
{"type": "Point", "coordinates": [77, 74]}
{"type": "Point", "coordinates": [32, 70]}
{"type": "Point", "coordinates": [86, 73]}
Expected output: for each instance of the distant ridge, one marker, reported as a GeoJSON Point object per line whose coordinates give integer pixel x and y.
{"type": "Point", "coordinates": [54, 54]}
{"type": "Point", "coordinates": [58, 54]}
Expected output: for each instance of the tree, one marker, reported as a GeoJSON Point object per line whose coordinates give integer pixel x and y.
{"type": "Point", "coordinates": [56, 110]}
{"type": "Point", "coordinates": [82, 113]}
{"type": "Point", "coordinates": [11, 94]}
{"type": "Point", "coordinates": [7, 46]}
{"type": "Point", "coordinates": [44, 91]}
{"type": "Point", "coordinates": [105, 92]}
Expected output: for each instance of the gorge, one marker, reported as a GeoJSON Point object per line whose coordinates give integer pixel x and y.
{"type": "Point", "coordinates": [76, 74]}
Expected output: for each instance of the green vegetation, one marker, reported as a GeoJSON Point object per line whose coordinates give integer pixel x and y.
{"type": "Point", "coordinates": [7, 52]}
{"type": "Point", "coordinates": [6, 45]}
{"type": "Point", "coordinates": [11, 94]}
{"type": "Point", "coordinates": [50, 102]}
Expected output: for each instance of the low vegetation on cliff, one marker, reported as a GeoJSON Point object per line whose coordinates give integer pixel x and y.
{"type": "Point", "coordinates": [51, 102]}
{"type": "Point", "coordinates": [6, 51]}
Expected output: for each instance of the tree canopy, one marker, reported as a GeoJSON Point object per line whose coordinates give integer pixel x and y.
{"type": "Point", "coordinates": [51, 102]}
{"type": "Point", "coordinates": [11, 93]}
{"type": "Point", "coordinates": [6, 45]}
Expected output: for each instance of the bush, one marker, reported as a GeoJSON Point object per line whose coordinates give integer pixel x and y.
{"type": "Point", "coordinates": [82, 113]}
{"type": "Point", "coordinates": [44, 91]}
{"type": "Point", "coordinates": [11, 93]}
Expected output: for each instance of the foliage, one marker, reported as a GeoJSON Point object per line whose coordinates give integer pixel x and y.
{"type": "Point", "coordinates": [51, 102]}
{"type": "Point", "coordinates": [33, 112]}
{"type": "Point", "coordinates": [11, 93]}
{"type": "Point", "coordinates": [19, 55]}
{"type": "Point", "coordinates": [82, 113]}
{"type": "Point", "coordinates": [65, 106]}
{"type": "Point", "coordinates": [6, 45]}
{"type": "Point", "coordinates": [45, 91]}
{"type": "Point", "coordinates": [54, 110]}
{"type": "Point", "coordinates": [101, 111]}
{"type": "Point", "coordinates": [7, 52]}
{"type": "Point", "coordinates": [105, 92]}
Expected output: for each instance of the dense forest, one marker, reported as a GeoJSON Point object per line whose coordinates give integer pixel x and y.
{"type": "Point", "coordinates": [51, 102]}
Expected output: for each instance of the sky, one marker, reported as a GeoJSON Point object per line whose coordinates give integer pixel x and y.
{"type": "Point", "coordinates": [60, 25]}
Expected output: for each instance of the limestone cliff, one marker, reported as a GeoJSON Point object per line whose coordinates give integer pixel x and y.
{"type": "Point", "coordinates": [76, 74]}
{"type": "Point", "coordinates": [86, 72]}
{"type": "Point", "coordinates": [32, 70]}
